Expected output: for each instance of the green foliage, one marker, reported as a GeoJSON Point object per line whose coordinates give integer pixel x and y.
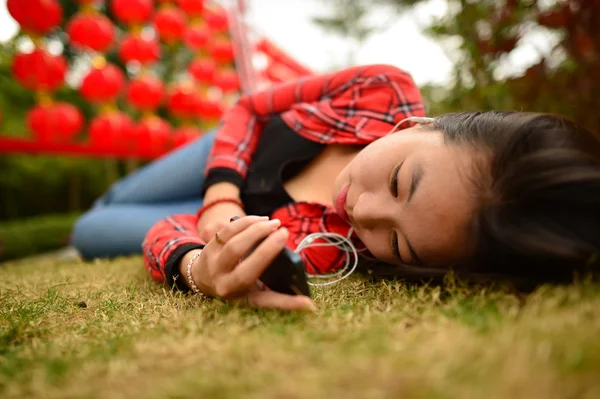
{"type": "Point", "coordinates": [34, 235]}
{"type": "Point", "coordinates": [563, 81]}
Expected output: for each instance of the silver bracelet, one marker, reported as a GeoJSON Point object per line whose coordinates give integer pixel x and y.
{"type": "Point", "coordinates": [191, 283]}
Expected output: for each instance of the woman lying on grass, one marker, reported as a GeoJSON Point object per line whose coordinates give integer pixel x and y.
{"type": "Point", "coordinates": [494, 194]}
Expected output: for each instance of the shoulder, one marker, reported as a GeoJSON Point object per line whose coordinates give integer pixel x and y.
{"type": "Point", "coordinates": [385, 73]}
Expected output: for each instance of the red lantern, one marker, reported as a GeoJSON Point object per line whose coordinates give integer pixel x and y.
{"type": "Point", "coordinates": [203, 69]}
{"type": "Point", "coordinates": [217, 20]}
{"type": "Point", "coordinates": [57, 122]}
{"type": "Point", "coordinates": [184, 101]}
{"type": "Point", "coordinates": [36, 16]}
{"type": "Point", "coordinates": [145, 93]}
{"type": "Point", "coordinates": [136, 48]}
{"type": "Point", "coordinates": [112, 129]}
{"type": "Point", "coordinates": [153, 135]}
{"type": "Point", "coordinates": [91, 31]}
{"type": "Point", "coordinates": [102, 85]}
{"type": "Point", "coordinates": [227, 80]}
{"type": "Point", "coordinates": [170, 24]}
{"type": "Point", "coordinates": [185, 135]}
{"type": "Point", "coordinates": [132, 12]}
{"type": "Point", "coordinates": [194, 8]}
{"type": "Point", "coordinates": [221, 50]}
{"type": "Point", "coordinates": [210, 109]}
{"type": "Point", "coordinates": [197, 36]}
{"type": "Point", "coordinates": [39, 70]}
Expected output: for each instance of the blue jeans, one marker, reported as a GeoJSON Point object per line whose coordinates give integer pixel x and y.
{"type": "Point", "coordinates": [118, 221]}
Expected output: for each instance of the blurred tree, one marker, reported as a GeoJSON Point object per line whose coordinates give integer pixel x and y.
{"type": "Point", "coordinates": [491, 33]}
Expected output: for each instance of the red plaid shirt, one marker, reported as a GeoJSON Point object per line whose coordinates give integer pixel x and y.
{"type": "Point", "coordinates": [355, 106]}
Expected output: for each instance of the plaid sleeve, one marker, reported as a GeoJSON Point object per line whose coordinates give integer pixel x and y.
{"type": "Point", "coordinates": [361, 110]}
{"type": "Point", "coordinates": [167, 240]}
{"type": "Point", "coordinates": [239, 133]}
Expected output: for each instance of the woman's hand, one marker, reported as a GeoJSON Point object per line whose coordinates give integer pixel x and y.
{"type": "Point", "coordinates": [216, 218]}
{"type": "Point", "coordinates": [230, 268]}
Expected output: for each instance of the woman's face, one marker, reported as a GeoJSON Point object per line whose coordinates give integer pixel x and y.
{"type": "Point", "coordinates": [409, 198]}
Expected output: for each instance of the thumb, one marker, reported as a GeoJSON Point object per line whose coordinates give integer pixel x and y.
{"type": "Point", "coordinates": [273, 300]}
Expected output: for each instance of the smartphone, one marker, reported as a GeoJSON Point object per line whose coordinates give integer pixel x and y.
{"type": "Point", "coordinates": [286, 274]}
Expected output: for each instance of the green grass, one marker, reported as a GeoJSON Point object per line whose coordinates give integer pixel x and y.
{"type": "Point", "coordinates": [134, 339]}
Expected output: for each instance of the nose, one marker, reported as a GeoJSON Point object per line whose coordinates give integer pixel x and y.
{"type": "Point", "coordinates": [373, 211]}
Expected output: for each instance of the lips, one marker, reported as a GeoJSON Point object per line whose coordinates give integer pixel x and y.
{"type": "Point", "coordinates": [340, 203]}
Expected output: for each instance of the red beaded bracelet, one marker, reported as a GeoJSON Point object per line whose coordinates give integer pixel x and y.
{"type": "Point", "coordinates": [206, 207]}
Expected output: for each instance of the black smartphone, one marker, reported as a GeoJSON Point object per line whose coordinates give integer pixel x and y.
{"type": "Point", "coordinates": [286, 274]}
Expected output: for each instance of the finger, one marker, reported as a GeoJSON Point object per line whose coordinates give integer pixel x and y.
{"type": "Point", "coordinates": [275, 300]}
{"type": "Point", "coordinates": [246, 240]}
{"type": "Point", "coordinates": [245, 273]}
{"type": "Point", "coordinates": [209, 232]}
{"type": "Point", "coordinates": [230, 229]}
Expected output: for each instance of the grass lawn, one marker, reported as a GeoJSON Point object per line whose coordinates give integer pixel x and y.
{"type": "Point", "coordinates": [104, 330]}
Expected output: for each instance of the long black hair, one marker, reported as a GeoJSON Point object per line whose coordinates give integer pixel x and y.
{"type": "Point", "coordinates": [539, 189]}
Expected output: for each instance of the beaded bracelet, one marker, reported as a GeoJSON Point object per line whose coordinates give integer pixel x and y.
{"type": "Point", "coordinates": [191, 282]}
{"type": "Point", "coordinates": [206, 207]}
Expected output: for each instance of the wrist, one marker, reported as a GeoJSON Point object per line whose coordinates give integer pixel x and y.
{"type": "Point", "coordinates": [189, 271]}
{"type": "Point", "coordinates": [211, 204]}
{"type": "Point", "coordinates": [221, 190]}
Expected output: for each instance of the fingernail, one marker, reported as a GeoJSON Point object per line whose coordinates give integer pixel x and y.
{"type": "Point", "coordinates": [281, 235]}
{"type": "Point", "coordinates": [311, 306]}
{"type": "Point", "coordinates": [263, 218]}
{"type": "Point", "coordinates": [274, 222]}
{"type": "Point", "coordinates": [233, 219]}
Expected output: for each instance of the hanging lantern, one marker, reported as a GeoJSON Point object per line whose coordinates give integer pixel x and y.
{"type": "Point", "coordinates": [132, 12]}
{"type": "Point", "coordinates": [194, 8]}
{"type": "Point", "coordinates": [197, 36]}
{"type": "Point", "coordinates": [111, 130]}
{"type": "Point", "coordinates": [217, 20]}
{"type": "Point", "coordinates": [91, 31]}
{"type": "Point", "coordinates": [39, 70]}
{"type": "Point", "coordinates": [203, 70]}
{"type": "Point", "coordinates": [227, 80]}
{"type": "Point", "coordinates": [102, 85]}
{"type": "Point", "coordinates": [36, 16]}
{"type": "Point", "coordinates": [170, 23]}
{"type": "Point", "coordinates": [136, 48]}
{"type": "Point", "coordinates": [211, 110]}
{"type": "Point", "coordinates": [56, 122]}
{"type": "Point", "coordinates": [221, 50]}
{"type": "Point", "coordinates": [145, 93]}
{"type": "Point", "coordinates": [152, 135]}
{"type": "Point", "coordinates": [184, 135]}
{"type": "Point", "coordinates": [183, 101]}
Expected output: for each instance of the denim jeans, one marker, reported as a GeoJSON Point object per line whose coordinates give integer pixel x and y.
{"type": "Point", "coordinates": [118, 221]}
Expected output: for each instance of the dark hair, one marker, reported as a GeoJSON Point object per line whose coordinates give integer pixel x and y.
{"type": "Point", "coordinates": [539, 218]}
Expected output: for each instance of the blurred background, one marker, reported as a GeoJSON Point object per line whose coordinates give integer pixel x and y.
{"type": "Point", "coordinates": [530, 55]}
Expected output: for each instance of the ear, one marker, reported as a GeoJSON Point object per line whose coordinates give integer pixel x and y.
{"type": "Point", "coordinates": [413, 119]}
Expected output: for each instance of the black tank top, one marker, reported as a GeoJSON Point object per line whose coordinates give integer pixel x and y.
{"type": "Point", "coordinates": [281, 153]}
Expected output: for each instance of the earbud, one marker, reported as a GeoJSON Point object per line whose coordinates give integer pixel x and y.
{"type": "Point", "coordinates": [332, 240]}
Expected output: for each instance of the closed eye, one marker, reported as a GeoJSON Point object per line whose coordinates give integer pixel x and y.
{"type": "Point", "coordinates": [395, 249]}
{"type": "Point", "coordinates": [394, 180]}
